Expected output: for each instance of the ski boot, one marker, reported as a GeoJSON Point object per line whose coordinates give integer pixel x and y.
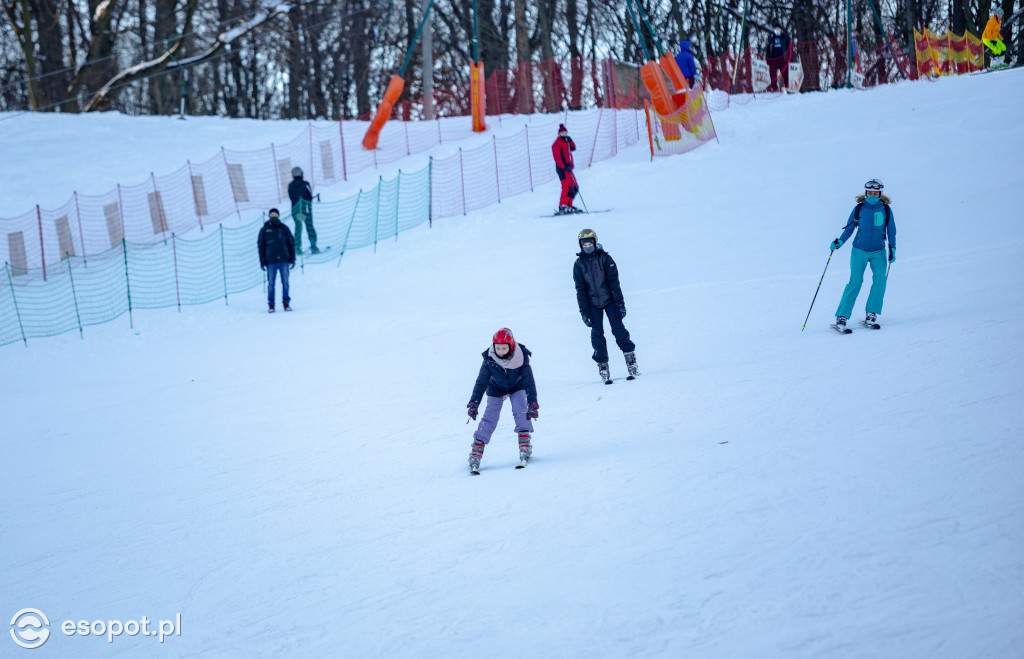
{"type": "Point", "coordinates": [287, 306]}
{"type": "Point", "coordinates": [271, 309]}
{"type": "Point", "coordinates": [840, 325]}
{"type": "Point", "coordinates": [631, 366]}
{"type": "Point", "coordinates": [475, 455]}
{"type": "Point", "coordinates": [574, 209]}
{"type": "Point", "coordinates": [314, 250]}
{"type": "Point", "coordinates": [562, 210]}
{"type": "Point", "coordinates": [871, 321]}
{"type": "Point", "coordinates": [525, 450]}
{"type": "Point", "coordinates": [602, 369]}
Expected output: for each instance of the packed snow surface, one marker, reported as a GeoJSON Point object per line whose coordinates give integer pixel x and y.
{"type": "Point", "coordinates": [296, 484]}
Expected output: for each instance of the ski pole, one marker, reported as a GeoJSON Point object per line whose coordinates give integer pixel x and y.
{"type": "Point", "coordinates": [817, 289]}
{"type": "Point", "coordinates": [576, 182]}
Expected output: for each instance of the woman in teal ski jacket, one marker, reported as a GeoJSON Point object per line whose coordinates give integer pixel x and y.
{"type": "Point", "coordinates": [874, 222]}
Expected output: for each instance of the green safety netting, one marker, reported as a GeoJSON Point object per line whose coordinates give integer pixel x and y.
{"type": "Point", "coordinates": [79, 292]}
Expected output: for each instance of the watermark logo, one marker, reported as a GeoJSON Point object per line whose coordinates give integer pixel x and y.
{"type": "Point", "coordinates": [28, 630]}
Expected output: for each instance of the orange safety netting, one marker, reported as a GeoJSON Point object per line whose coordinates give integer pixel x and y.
{"type": "Point", "coordinates": [947, 54]}
{"type": "Point", "coordinates": [685, 129]}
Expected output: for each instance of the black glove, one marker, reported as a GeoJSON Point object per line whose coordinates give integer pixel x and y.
{"type": "Point", "coordinates": [568, 168]}
{"type": "Point", "coordinates": [291, 266]}
{"type": "Point", "coordinates": [586, 320]}
{"type": "Point", "coordinates": [473, 407]}
{"type": "Point", "coordinates": [622, 311]}
{"type": "Point", "coordinates": [892, 254]}
{"type": "Point", "coordinates": [531, 410]}
{"type": "Point", "coordinates": [567, 138]}
{"type": "Point", "coordinates": [263, 267]}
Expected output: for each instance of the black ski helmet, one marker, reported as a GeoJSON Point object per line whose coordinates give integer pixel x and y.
{"type": "Point", "coordinates": [296, 172]}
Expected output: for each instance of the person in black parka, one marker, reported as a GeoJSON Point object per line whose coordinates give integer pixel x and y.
{"type": "Point", "coordinates": [301, 194]}
{"type": "Point", "coordinates": [277, 255]}
{"type": "Point", "coordinates": [598, 293]}
{"type": "Point", "coordinates": [505, 373]}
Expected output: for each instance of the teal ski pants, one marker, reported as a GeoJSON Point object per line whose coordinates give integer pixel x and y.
{"type": "Point", "coordinates": [859, 259]}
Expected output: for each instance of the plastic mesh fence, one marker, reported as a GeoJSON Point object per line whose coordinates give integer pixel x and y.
{"type": "Point", "coordinates": [685, 129]}
{"type": "Point", "coordinates": [72, 291]}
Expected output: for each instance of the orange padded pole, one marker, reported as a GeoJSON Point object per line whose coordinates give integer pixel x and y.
{"type": "Point", "coordinates": [654, 81]}
{"type": "Point", "coordinates": [477, 93]}
{"type": "Point", "coordinates": [394, 90]}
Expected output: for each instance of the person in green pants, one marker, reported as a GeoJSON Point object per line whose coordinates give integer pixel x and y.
{"type": "Point", "coordinates": [874, 223]}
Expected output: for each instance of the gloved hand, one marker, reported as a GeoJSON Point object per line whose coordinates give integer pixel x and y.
{"type": "Point", "coordinates": [622, 311]}
{"type": "Point", "coordinates": [568, 168]}
{"type": "Point", "coordinates": [836, 244]}
{"type": "Point", "coordinates": [586, 320]}
{"type": "Point", "coordinates": [531, 410]}
{"type": "Point", "coordinates": [263, 268]}
{"type": "Point", "coordinates": [892, 254]}
{"type": "Point", "coordinates": [473, 406]}
{"type": "Point", "coordinates": [291, 266]}
{"type": "Point", "coordinates": [567, 138]}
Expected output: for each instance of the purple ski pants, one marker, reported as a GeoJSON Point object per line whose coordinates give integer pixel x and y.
{"type": "Point", "coordinates": [490, 419]}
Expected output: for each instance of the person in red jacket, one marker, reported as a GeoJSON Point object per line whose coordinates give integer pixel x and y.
{"type": "Point", "coordinates": [562, 151]}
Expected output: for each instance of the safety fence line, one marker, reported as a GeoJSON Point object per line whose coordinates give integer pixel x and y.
{"type": "Point", "coordinates": [76, 291]}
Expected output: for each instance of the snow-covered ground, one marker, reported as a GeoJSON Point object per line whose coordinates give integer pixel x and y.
{"type": "Point", "coordinates": [296, 485]}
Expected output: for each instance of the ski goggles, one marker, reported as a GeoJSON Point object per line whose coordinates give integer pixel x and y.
{"type": "Point", "coordinates": [873, 184]}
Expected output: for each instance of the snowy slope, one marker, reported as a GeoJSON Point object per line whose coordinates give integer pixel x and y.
{"type": "Point", "coordinates": [296, 484]}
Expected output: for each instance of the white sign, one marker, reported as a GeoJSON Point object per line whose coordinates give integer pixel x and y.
{"type": "Point", "coordinates": [760, 76]}
{"type": "Point", "coordinates": [796, 77]}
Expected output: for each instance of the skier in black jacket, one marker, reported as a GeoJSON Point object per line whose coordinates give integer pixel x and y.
{"type": "Point", "coordinates": [277, 254]}
{"type": "Point", "coordinates": [301, 194]}
{"type": "Point", "coordinates": [598, 293]}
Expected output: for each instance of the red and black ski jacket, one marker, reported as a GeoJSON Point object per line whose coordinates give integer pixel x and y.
{"type": "Point", "coordinates": [562, 151]}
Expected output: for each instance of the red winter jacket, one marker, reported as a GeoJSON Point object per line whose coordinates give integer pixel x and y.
{"type": "Point", "coordinates": [562, 151]}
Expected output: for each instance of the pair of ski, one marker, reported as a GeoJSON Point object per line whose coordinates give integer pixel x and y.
{"type": "Point", "coordinates": [557, 214]}
{"type": "Point", "coordinates": [522, 465]}
{"type": "Point", "coordinates": [847, 330]}
{"type": "Point", "coordinates": [628, 377]}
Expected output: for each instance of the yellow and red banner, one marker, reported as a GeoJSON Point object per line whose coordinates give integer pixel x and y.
{"type": "Point", "coordinates": [947, 54]}
{"type": "Point", "coordinates": [684, 129]}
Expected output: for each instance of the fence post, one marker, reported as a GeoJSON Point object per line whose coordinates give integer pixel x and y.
{"type": "Point", "coordinates": [341, 134]}
{"type": "Point", "coordinates": [497, 179]}
{"type": "Point", "coordinates": [74, 295]}
{"type": "Point", "coordinates": [223, 265]}
{"type": "Point", "coordinates": [376, 226]}
{"type": "Point", "coordinates": [120, 212]}
{"type": "Point", "coordinates": [437, 120]}
{"type": "Point", "coordinates": [462, 178]}
{"type": "Point", "coordinates": [430, 193]}
{"type": "Point", "coordinates": [81, 236]}
{"type": "Point", "coordinates": [351, 221]}
{"type": "Point", "coordinates": [597, 131]}
{"type": "Point", "coordinates": [312, 160]}
{"type": "Point", "coordinates": [529, 158]}
{"type": "Point", "coordinates": [127, 281]}
{"type": "Point", "coordinates": [408, 151]}
{"type": "Point", "coordinates": [42, 248]}
{"type": "Point", "coordinates": [398, 201]}
{"type": "Point", "coordinates": [277, 174]}
{"type": "Point", "coordinates": [174, 251]}
{"type": "Point", "coordinates": [7, 266]}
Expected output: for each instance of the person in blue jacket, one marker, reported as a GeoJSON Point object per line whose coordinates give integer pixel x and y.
{"type": "Point", "coordinates": [874, 222]}
{"type": "Point", "coordinates": [505, 373]}
{"type": "Point", "coordinates": [686, 62]}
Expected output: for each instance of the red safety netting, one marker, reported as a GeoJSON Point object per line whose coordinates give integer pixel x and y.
{"type": "Point", "coordinates": [810, 65]}
{"type": "Point", "coordinates": [550, 86]}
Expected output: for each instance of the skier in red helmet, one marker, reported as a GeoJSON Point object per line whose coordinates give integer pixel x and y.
{"type": "Point", "coordinates": [506, 372]}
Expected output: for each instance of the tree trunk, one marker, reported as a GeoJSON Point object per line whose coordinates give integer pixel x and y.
{"type": "Point", "coordinates": [295, 63]}
{"type": "Point", "coordinates": [162, 96]}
